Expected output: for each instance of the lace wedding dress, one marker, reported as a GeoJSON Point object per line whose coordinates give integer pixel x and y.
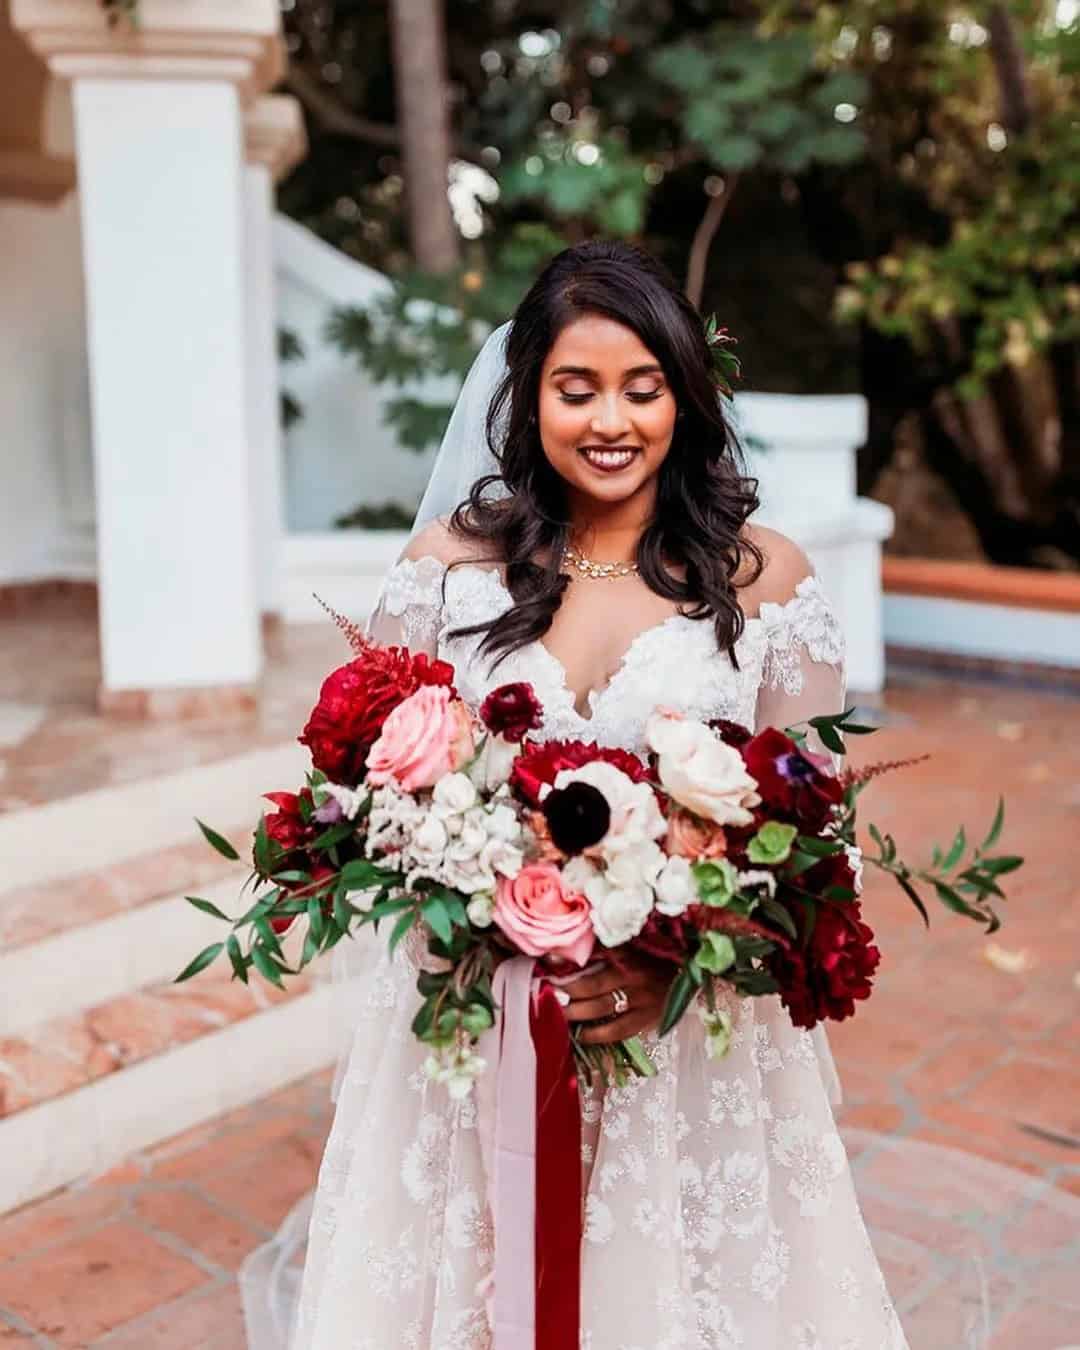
{"type": "Point", "coordinates": [720, 1211]}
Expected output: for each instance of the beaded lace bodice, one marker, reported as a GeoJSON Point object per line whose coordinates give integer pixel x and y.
{"type": "Point", "coordinates": [673, 663]}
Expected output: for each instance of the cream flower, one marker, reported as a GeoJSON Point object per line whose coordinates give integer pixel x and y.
{"type": "Point", "coordinates": [700, 771]}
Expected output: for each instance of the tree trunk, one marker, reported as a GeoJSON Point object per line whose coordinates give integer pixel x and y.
{"type": "Point", "coordinates": [419, 47]}
{"type": "Point", "coordinates": [1008, 58]}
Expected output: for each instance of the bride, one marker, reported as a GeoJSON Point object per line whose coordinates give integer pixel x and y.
{"type": "Point", "coordinates": [596, 543]}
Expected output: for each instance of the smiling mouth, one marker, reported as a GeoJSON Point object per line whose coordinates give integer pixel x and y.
{"type": "Point", "coordinates": [609, 459]}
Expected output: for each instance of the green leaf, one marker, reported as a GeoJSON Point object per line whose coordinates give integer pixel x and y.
{"type": "Point", "coordinates": [217, 841]}
{"type": "Point", "coordinates": [207, 907]}
{"type": "Point", "coordinates": [780, 915]}
{"type": "Point", "coordinates": [205, 958]}
{"type": "Point", "coordinates": [995, 829]}
{"type": "Point", "coordinates": [316, 922]}
{"type": "Point", "coordinates": [735, 153]}
{"type": "Point", "coordinates": [820, 848]}
{"type": "Point", "coordinates": [681, 992]}
{"type": "Point", "coordinates": [266, 966]}
{"type": "Point", "coordinates": [265, 855]}
{"type": "Point", "coordinates": [438, 917]}
{"type": "Point", "coordinates": [402, 927]}
{"type": "Point", "coordinates": [269, 937]}
{"type": "Point", "coordinates": [334, 835]}
{"type": "Point", "coordinates": [956, 852]}
{"type": "Point", "coordinates": [236, 959]}
{"type": "Point", "coordinates": [913, 895]}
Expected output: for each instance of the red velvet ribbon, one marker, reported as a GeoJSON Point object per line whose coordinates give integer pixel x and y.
{"type": "Point", "coordinates": [558, 1177]}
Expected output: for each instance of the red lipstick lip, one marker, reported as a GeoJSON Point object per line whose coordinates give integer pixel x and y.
{"type": "Point", "coordinates": [607, 449]}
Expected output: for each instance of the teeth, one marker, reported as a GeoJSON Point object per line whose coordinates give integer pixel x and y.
{"type": "Point", "coordinates": [609, 459]}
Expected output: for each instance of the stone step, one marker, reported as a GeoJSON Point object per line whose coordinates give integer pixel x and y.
{"type": "Point", "coordinates": [76, 934]}
{"type": "Point", "coordinates": [72, 837]}
{"type": "Point", "coordinates": [82, 1091]}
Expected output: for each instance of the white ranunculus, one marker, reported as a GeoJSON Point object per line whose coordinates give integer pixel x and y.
{"type": "Point", "coordinates": [499, 856]}
{"type": "Point", "coordinates": [577, 874]}
{"type": "Point", "coordinates": [481, 910]}
{"type": "Point", "coordinates": [639, 865]}
{"type": "Point", "coordinates": [491, 767]}
{"type": "Point", "coordinates": [618, 912]}
{"type": "Point", "coordinates": [430, 838]}
{"type": "Point", "coordinates": [455, 792]}
{"type": "Point", "coordinates": [349, 799]}
{"type": "Point", "coordinates": [502, 823]}
{"type": "Point", "coordinates": [675, 888]}
{"type": "Point", "coordinates": [756, 877]}
{"type": "Point", "coordinates": [854, 857]}
{"type": "Point", "coordinates": [700, 771]}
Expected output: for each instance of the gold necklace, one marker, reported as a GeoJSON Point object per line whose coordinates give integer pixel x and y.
{"type": "Point", "coordinates": [599, 571]}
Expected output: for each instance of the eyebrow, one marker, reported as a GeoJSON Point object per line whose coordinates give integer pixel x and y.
{"type": "Point", "coordinates": [588, 373]}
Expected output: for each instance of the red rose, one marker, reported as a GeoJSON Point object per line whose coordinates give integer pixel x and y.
{"type": "Point", "coordinates": [792, 786]}
{"type": "Point", "coordinates": [355, 701]}
{"type": "Point", "coordinates": [824, 978]}
{"type": "Point", "coordinates": [512, 711]}
{"type": "Point", "coordinates": [538, 764]}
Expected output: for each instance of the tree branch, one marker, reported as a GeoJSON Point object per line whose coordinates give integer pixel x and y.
{"type": "Point", "coordinates": [1017, 110]}
{"type": "Point", "coordinates": [703, 237]}
{"type": "Point", "coordinates": [334, 117]}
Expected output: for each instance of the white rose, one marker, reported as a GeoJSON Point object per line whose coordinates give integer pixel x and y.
{"type": "Point", "coordinates": [675, 888]}
{"type": "Point", "coordinates": [700, 771]}
{"type": "Point", "coordinates": [455, 792]}
{"type": "Point", "coordinates": [481, 911]}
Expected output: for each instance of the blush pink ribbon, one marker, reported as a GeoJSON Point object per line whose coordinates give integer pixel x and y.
{"type": "Point", "coordinates": [508, 1111]}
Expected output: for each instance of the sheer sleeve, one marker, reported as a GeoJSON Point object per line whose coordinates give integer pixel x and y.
{"type": "Point", "coordinates": [408, 612]}
{"type": "Point", "coordinates": [804, 672]}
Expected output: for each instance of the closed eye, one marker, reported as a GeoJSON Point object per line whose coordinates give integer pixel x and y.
{"type": "Point", "coordinates": [636, 398]}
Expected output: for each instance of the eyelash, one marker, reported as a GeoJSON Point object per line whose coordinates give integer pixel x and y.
{"type": "Point", "coordinates": [637, 398]}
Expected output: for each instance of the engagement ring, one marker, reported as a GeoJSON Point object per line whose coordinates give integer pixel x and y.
{"type": "Point", "coordinates": [621, 1001]}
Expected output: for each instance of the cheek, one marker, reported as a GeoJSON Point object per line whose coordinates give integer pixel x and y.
{"type": "Point", "coordinates": [656, 425]}
{"type": "Point", "coordinates": [561, 424]}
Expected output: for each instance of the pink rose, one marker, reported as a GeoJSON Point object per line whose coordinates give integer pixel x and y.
{"type": "Point", "coordinates": [426, 736]}
{"type": "Point", "coordinates": [541, 917]}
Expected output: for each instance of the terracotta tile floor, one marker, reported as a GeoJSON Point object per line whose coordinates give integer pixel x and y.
{"type": "Point", "coordinates": [53, 744]}
{"type": "Point", "coordinates": [964, 1044]}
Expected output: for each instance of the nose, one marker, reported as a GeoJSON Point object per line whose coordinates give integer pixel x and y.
{"type": "Point", "coordinates": [609, 420]}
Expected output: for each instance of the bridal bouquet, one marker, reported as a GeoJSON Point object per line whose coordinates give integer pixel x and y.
{"type": "Point", "coordinates": [728, 855]}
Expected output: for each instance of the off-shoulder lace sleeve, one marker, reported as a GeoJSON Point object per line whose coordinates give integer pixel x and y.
{"type": "Point", "coordinates": [804, 672]}
{"type": "Point", "coordinates": [409, 609]}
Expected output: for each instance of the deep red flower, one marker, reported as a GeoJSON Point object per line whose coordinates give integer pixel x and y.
{"type": "Point", "coordinates": [824, 978]}
{"type": "Point", "coordinates": [512, 711]}
{"type": "Point", "coordinates": [792, 786]}
{"type": "Point", "coordinates": [538, 764]}
{"type": "Point", "coordinates": [355, 701]}
{"type": "Point", "coordinates": [731, 733]}
{"type": "Point", "coordinates": [286, 826]}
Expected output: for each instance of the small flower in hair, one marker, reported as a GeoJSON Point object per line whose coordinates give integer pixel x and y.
{"type": "Point", "coordinates": [727, 370]}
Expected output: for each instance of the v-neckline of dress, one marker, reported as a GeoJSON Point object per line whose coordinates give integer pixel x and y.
{"type": "Point", "coordinates": [594, 695]}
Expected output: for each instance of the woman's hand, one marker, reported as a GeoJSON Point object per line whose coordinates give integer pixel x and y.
{"type": "Point", "coordinates": [645, 984]}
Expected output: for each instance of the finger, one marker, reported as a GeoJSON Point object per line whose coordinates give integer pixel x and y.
{"type": "Point", "coordinates": [604, 982]}
{"type": "Point", "coordinates": [619, 1029]}
{"type": "Point", "coordinates": [591, 1009]}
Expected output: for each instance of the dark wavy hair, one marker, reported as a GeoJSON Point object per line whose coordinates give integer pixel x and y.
{"type": "Point", "coordinates": [703, 496]}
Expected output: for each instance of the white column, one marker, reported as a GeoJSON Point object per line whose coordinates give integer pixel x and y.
{"type": "Point", "coordinates": [160, 154]}
{"type": "Point", "coordinates": [275, 142]}
{"type": "Point", "coordinates": [161, 188]}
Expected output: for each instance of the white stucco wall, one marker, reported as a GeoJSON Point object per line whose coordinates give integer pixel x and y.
{"type": "Point", "coordinates": [46, 480]}
{"type": "Point", "coordinates": [341, 452]}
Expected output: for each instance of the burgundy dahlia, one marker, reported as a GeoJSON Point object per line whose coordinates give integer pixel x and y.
{"type": "Point", "coordinates": [512, 711]}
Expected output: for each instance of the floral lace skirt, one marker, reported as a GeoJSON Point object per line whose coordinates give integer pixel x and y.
{"type": "Point", "coordinates": [720, 1210]}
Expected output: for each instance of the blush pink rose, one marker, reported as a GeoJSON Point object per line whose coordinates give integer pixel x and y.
{"type": "Point", "coordinates": [541, 917]}
{"type": "Point", "coordinates": [426, 736]}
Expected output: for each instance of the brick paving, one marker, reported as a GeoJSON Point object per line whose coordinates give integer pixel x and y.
{"type": "Point", "coordinates": [966, 1045]}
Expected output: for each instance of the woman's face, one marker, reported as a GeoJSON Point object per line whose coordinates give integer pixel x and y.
{"type": "Point", "coordinates": [606, 412]}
